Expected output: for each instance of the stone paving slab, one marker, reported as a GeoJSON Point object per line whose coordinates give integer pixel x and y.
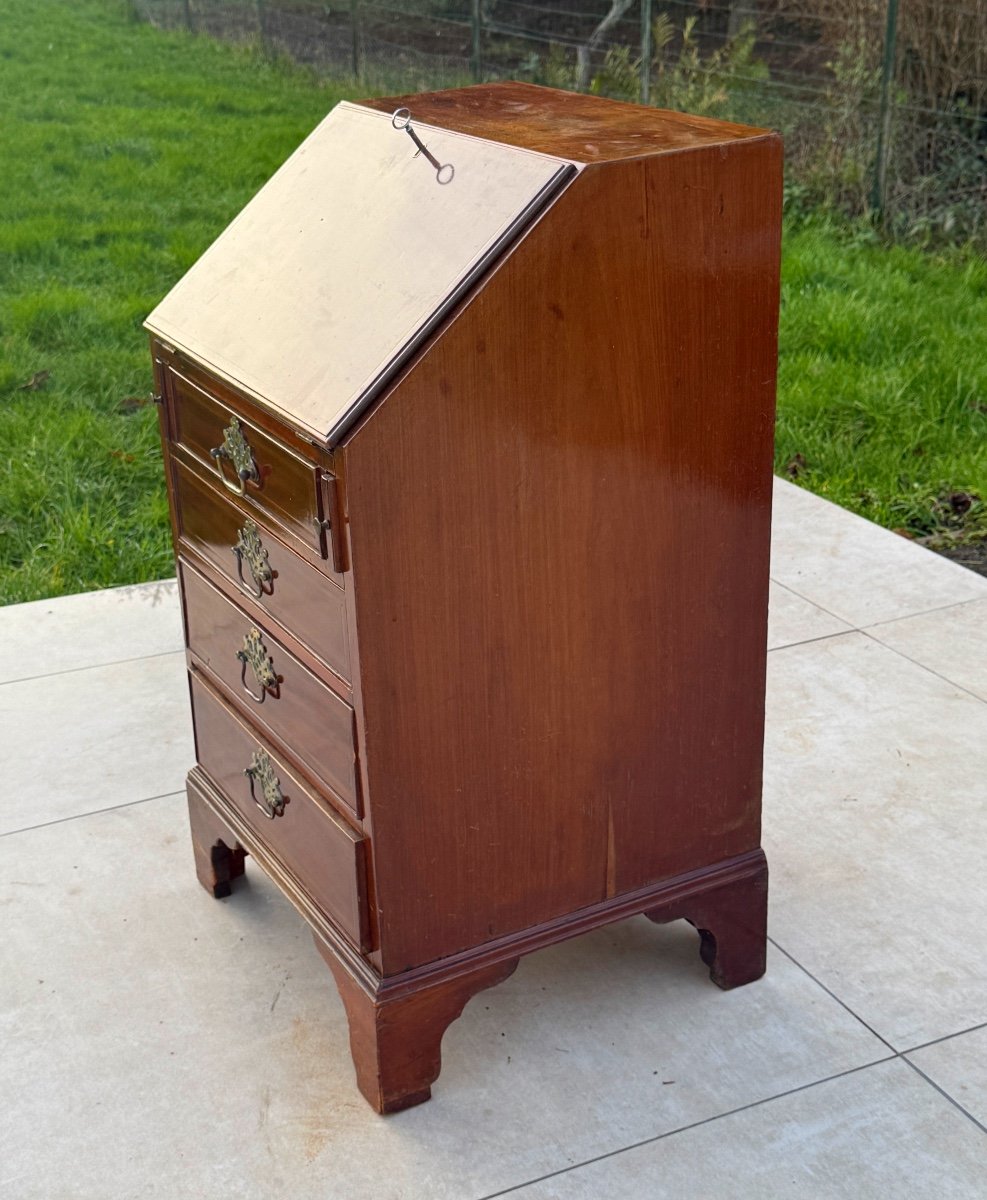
{"type": "Point", "coordinates": [792, 619]}
{"type": "Point", "coordinates": [855, 570]}
{"type": "Point", "coordinates": [875, 1134]}
{"type": "Point", "coordinates": [93, 738]}
{"type": "Point", "coordinates": [959, 1066]}
{"type": "Point", "coordinates": [171, 1036]}
{"type": "Point", "coordinates": [91, 629]}
{"type": "Point", "coordinates": [950, 641]}
{"type": "Point", "coordinates": [159, 1043]}
{"type": "Point", "coordinates": [875, 821]}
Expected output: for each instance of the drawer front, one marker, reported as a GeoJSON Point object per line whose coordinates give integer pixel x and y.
{"type": "Point", "coordinates": [251, 465]}
{"type": "Point", "coordinates": [322, 854]}
{"type": "Point", "coordinates": [263, 569]}
{"type": "Point", "coordinates": [278, 692]}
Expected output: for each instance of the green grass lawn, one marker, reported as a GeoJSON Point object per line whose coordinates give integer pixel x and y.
{"type": "Point", "coordinates": [882, 384]}
{"type": "Point", "coordinates": [126, 150]}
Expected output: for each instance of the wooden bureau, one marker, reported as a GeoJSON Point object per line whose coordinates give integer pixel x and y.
{"type": "Point", "coordinates": [468, 434]}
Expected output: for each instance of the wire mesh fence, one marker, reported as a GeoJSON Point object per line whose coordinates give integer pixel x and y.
{"type": "Point", "coordinates": [883, 103]}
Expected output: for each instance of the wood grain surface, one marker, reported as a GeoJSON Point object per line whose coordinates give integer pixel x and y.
{"type": "Point", "coordinates": [343, 259]}
{"type": "Point", "coordinates": [532, 643]}
{"type": "Point", "coordinates": [559, 534]}
{"type": "Point", "coordinates": [584, 129]}
{"type": "Point", "coordinates": [299, 598]}
{"type": "Point", "coordinates": [300, 711]}
{"type": "Point", "coordinates": [317, 848]}
{"type": "Point", "coordinates": [287, 488]}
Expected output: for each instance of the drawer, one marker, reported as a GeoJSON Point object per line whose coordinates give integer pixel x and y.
{"type": "Point", "coordinates": [278, 692]}
{"type": "Point", "coordinates": [324, 856]}
{"type": "Point", "coordinates": [262, 568]}
{"type": "Point", "coordinates": [251, 465]}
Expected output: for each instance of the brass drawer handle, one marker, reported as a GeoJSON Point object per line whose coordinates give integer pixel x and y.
{"type": "Point", "coordinates": [248, 548]}
{"type": "Point", "coordinates": [234, 447]}
{"type": "Point", "coordinates": [254, 655]}
{"type": "Point", "coordinates": [261, 770]}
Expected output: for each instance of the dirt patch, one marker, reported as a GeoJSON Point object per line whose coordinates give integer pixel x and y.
{"type": "Point", "coordinates": [972, 555]}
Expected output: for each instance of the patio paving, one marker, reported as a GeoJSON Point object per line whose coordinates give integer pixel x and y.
{"type": "Point", "coordinates": [157, 1043]}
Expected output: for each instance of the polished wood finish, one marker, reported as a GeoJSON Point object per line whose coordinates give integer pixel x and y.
{"type": "Point", "coordinates": [521, 683]}
{"type": "Point", "coordinates": [297, 599]}
{"type": "Point", "coordinates": [316, 295]}
{"type": "Point", "coordinates": [599, 446]}
{"type": "Point", "coordinates": [312, 842]}
{"type": "Point", "coordinates": [584, 129]}
{"type": "Point", "coordinates": [731, 916]}
{"type": "Point", "coordinates": [219, 857]}
{"type": "Point", "coordinates": [396, 1026]}
{"type": "Point", "coordinates": [229, 827]}
{"type": "Point", "coordinates": [286, 491]}
{"type": "Point", "coordinates": [395, 1041]}
{"type": "Point", "coordinates": [299, 711]}
{"type": "Point", "coordinates": [168, 360]}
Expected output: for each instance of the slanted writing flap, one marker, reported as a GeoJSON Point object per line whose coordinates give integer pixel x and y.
{"type": "Point", "coordinates": [340, 266]}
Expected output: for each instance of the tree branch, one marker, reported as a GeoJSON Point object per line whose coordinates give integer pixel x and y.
{"type": "Point", "coordinates": [584, 52]}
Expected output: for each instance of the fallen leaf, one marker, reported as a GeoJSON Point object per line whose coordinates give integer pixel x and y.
{"type": "Point", "coordinates": [123, 455]}
{"type": "Point", "coordinates": [131, 404]}
{"type": "Point", "coordinates": [37, 380]}
{"type": "Point", "coordinates": [961, 502]}
{"type": "Point", "coordinates": [795, 466]}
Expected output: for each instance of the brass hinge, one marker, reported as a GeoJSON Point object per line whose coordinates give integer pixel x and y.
{"type": "Point", "coordinates": [330, 523]}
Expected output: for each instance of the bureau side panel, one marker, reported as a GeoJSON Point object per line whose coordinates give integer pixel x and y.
{"type": "Point", "coordinates": [559, 529]}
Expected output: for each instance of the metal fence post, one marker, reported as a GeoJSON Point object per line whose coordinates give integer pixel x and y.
{"type": "Point", "coordinates": [355, 37]}
{"type": "Point", "coordinates": [645, 51]}
{"type": "Point", "coordinates": [879, 193]}
{"type": "Point", "coordinates": [262, 25]}
{"type": "Point", "coordinates": [187, 8]}
{"type": "Point", "coordinates": [476, 21]}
